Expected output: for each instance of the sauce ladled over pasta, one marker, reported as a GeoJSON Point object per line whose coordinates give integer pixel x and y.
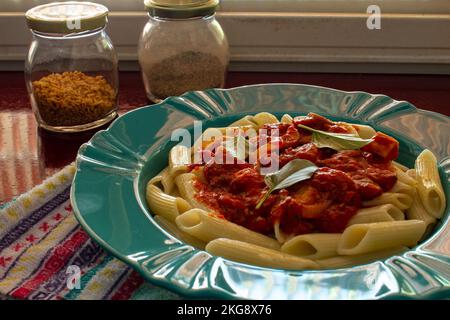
{"type": "Point", "coordinates": [324, 203]}
{"type": "Point", "coordinates": [296, 193]}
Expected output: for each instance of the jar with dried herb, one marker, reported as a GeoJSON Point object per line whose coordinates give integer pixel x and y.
{"type": "Point", "coordinates": [182, 48]}
{"type": "Point", "coordinates": [71, 68]}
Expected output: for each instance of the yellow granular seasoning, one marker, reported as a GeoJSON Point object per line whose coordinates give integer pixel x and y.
{"type": "Point", "coordinates": [73, 98]}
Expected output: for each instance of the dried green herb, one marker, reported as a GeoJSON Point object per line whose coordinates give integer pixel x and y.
{"type": "Point", "coordinates": [295, 171]}
{"type": "Point", "coordinates": [336, 141]}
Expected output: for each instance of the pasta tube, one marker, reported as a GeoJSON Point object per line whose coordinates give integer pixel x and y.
{"type": "Point", "coordinates": [385, 212]}
{"type": "Point", "coordinates": [171, 227]}
{"type": "Point", "coordinates": [418, 212]}
{"type": "Point", "coordinates": [364, 238]}
{"type": "Point", "coordinates": [263, 118]}
{"type": "Point", "coordinates": [429, 184]}
{"type": "Point", "coordinates": [349, 261]}
{"type": "Point", "coordinates": [167, 181]}
{"type": "Point", "coordinates": [156, 179]}
{"type": "Point", "coordinates": [286, 119]}
{"type": "Point", "coordinates": [279, 234]}
{"type": "Point", "coordinates": [256, 255]}
{"type": "Point", "coordinates": [364, 131]}
{"type": "Point", "coordinates": [313, 246]}
{"type": "Point", "coordinates": [208, 137]}
{"type": "Point", "coordinates": [179, 159]}
{"type": "Point", "coordinates": [245, 121]}
{"type": "Point", "coordinates": [207, 227]}
{"type": "Point", "coordinates": [412, 173]}
{"type": "Point", "coordinates": [185, 183]}
{"type": "Point", "coordinates": [165, 205]}
{"type": "Point", "coordinates": [400, 200]}
{"type": "Point", "coordinates": [399, 166]}
{"type": "Point", "coordinates": [401, 187]}
{"type": "Point", "coordinates": [404, 177]}
{"type": "Point", "coordinates": [212, 133]}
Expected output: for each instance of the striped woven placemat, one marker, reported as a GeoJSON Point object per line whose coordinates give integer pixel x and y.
{"type": "Point", "coordinates": [45, 254]}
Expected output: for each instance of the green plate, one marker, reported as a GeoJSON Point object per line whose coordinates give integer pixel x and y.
{"type": "Point", "coordinates": [108, 196]}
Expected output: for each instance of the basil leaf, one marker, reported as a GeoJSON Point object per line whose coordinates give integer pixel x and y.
{"type": "Point", "coordinates": [336, 141]}
{"type": "Point", "coordinates": [295, 171]}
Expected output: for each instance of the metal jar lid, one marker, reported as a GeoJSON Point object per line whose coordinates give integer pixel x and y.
{"type": "Point", "coordinates": [181, 9]}
{"type": "Point", "coordinates": [67, 17]}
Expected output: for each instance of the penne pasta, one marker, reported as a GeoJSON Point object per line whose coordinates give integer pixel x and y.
{"type": "Point", "coordinates": [369, 237]}
{"type": "Point", "coordinates": [286, 119]}
{"type": "Point", "coordinates": [404, 177]}
{"type": "Point", "coordinates": [208, 137]}
{"type": "Point", "coordinates": [313, 246]}
{"type": "Point", "coordinates": [172, 228]}
{"type": "Point", "coordinates": [231, 206]}
{"type": "Point", "coordinates": [429, 184]}
{"type": "Point", "coordinates": [412, 173]}
{"type": "Point", "coordinates": [418, 212]}
{"type": "Point", "coordinates": [229, 131]}
{"type": "Point", "coordinates": [385, 212]}
{"type": "Point", "coordinates": [179, 159]}
{"type": "Point", "coordinates": [207, 227]}
{"type": "Point", "coordinates": [263, 118]}
{"type": "Point", "coordinates": [280, 235]}
{"type": "Point", "coordinates": [167, 181]}
{"type": "Point", "coordinates": [245, 121]}
{"type": "Point", "coordinates": [400, 200]}
{"type": "Point", "coordinates": [165, 205]}
{"type": "Point", "coordinates": [399, 166]}
{"type": "Point", "coordinates": [156, 179]}
{"type": "Point", "coordinates": [256, 255]}
{"type": "Point", "coordinates": [185, 184]}
{"type": "Point", "coordinates": [349, 261]}
{"type": "Point", "coordinates": [401, 187]}
{"type": "Point", "coordinates": [364, 131]}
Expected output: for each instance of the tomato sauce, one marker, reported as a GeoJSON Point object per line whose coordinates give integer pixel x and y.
{"type": "Point", "coordinates": [324, 203]}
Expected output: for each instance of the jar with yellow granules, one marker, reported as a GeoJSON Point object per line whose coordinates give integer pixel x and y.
{"type": "Point", "coordinates": [71, 68]}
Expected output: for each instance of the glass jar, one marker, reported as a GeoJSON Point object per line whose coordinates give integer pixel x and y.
{"type": "Point", "coordinates": [71, 70]}
{"type": "Point", "coordinates": [182, 48]}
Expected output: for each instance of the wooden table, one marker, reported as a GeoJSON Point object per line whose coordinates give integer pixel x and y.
{"type": "Point", "coordinates": [29, 155]}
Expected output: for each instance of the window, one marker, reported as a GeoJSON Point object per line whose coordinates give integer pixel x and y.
{"type": "Point", "coordinates": [342, 6]}
{"type": "Point", "coordinates": [286, 35]}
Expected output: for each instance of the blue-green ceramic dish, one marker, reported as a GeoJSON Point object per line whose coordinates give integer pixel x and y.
{"type": "Point", "coordinates": [108, 196]}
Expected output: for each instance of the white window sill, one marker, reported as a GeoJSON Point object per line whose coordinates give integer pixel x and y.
{"type": "Point", "coordinates": [314, 42]}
